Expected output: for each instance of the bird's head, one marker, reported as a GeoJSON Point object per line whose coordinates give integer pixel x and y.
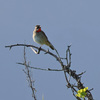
{"type": "Point", "coordinates": [38, 28]}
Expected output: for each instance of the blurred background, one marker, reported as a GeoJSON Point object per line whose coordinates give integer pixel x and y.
{"type": "Point", "coordinates": [65, 22]}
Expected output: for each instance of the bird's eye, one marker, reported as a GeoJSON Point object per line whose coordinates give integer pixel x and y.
{"type": "Point", "coordinates": [38, 27]}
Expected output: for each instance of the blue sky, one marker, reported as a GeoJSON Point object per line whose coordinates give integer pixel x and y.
{"type": "Point", "coordinates": [64, 22]}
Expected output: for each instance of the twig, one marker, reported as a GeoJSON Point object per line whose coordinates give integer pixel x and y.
{"type": "Point", "coordinates": [91, 89]}
{"type": "Point", "coordinates": [81, 73]}
{"type": "Point", "coordinates": [27, 72]}
{"type": "Point", "coordinates": [41, 68]}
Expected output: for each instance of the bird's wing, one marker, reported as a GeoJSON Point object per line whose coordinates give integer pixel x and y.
{"type": "Point", "coordinates": [45, 35]}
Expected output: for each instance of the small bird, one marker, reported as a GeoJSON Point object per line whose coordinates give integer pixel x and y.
{"type": "Point", "coordinates": [40, 37]}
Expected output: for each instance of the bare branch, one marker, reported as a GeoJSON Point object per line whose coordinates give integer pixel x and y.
{"type": "Point", "coordinates": [41, 68]}
{"type": "Point", "coordinates": [65, 68]}
{"type": "Point", "coordinates": [46, 51]}
{"type": "Point", "coordinates": [29, 79]}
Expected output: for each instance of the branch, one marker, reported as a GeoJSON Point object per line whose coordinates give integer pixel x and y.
{"type": "Point", "coordinates": [38, 48]}
{"type": "Point", "coordinates": [29, 79]}
{"type": "Point", "coordinates": [41, 68]}
{"type": "Point", "coordinates": [66, 68]}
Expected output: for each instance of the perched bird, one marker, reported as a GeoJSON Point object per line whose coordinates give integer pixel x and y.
{"type": "Point", "coordinates": [40, 37]}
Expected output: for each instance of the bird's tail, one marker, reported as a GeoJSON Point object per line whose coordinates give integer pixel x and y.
{"type": "Point", "coordinates": [50, 45]}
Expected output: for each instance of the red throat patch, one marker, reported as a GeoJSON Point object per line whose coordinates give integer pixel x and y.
{"type": "Point", "coordinates": [39, 30]}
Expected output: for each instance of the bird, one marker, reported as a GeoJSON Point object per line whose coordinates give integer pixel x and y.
{"type": "Point", "coordinates": [40, 37]}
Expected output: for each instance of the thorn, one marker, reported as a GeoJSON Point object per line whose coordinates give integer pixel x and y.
{"type": "Point", "coordinates": [46, 51]}
{"type": "Point", "coordinates": [10, 48]}
{"type": "Point", "coordinates": [70, 44]}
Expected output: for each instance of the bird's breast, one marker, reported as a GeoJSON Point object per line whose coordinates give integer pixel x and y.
{"type": "Point", "coordinates": [39, 38]}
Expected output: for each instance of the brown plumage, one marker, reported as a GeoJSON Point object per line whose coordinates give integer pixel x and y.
{"type": "Point", "coordinates": [40, 37]}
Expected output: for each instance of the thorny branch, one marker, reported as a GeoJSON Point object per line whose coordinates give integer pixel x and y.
{"type": "Point", "coordinates": [65, 68]}
{"type": "Point", "coordinates": [29, 79]}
